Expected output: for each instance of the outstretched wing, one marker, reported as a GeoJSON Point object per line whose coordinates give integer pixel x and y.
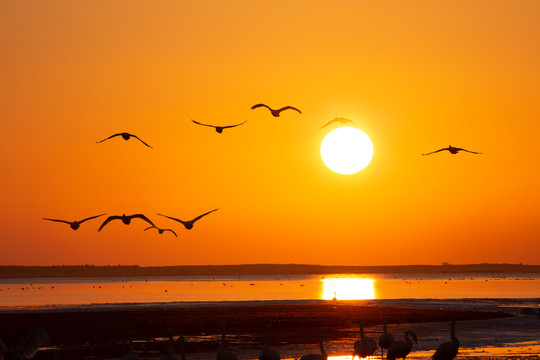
{"type": "Point", "coordinates": [141, 216]}
{"type": "Point", "coordinates": [436, 151]}
{"type": "Point", "coordinates": [289, 107]}
{"type": "Point", "coordinates": [90, 218]}
{"type": "Point", "coordinates": [259, 105]}
{"type": "Point", "coordinates": [136, 137]}
{"type": "Point", "coordinates": [200, 216]}
{"type": "Point", "coordinates": [58, 220]}
{"type": "Point", "coordinates": [109, 219]}
{"type": "Point", "coordinates": [170, 217]}
{"type": "Point", "coordinates": [198, 123]}
{"type": "Point", "coordinates": [171, 231]}
{"type": "Point", "coordinates": [150, 227]}
{"type": "Point", "coordinates": [330, 122]}
{"type": "Point", "coordinates": [230, 126]}
{"type": "Point", "coordinates": [97, 142]}
{"type": "Point", "coordinates": [472, 152]}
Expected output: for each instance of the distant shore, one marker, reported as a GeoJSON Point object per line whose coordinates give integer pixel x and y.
{"type": "Point", "coordinates": [14, 271]}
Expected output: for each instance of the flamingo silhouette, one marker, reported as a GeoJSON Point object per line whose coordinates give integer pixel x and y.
{"type": "Point", "coordinates": [448, 350]}
{"type": "Point", "coordinates": [131, 355]}
{"type": "Point", "coordinates": [161, 230]}
{"type": "Point", "coordinates": [222, 353]}
{"type": "Point", "coordinates": [400, 349]}
{"type": "Point", "coordinates": [189, 223]}
{"type": "Point", "coordinates": [29, 347]}
{"type": "Point", "coordinates": [386, 339]}
{"type": "Point", "coordinates": [275, 112]}
{"type": "Point", "coordinates": [323, 355]}
{"type": "Point", "coordinates": [219, 129]}
{"type": "Point", "coordinates": [126, 219]}
{"type": "Point", "coordinates": [366, 346]}
{"type": "Point", "coordinates": [338, 119]}
{"type": "Point", "coordinates": [170, 348]}
{"type": "Point", "coordinates": [452, 150]}
{"type": "Point", "coordinates": [268, 353]}
{"type": "Point", "coordinates": [125, 136]}
{"type": "Point", "coordinates": [74, 224]}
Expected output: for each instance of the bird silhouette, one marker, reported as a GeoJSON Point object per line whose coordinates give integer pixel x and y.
{"type": "Point", "coordinates": [223, 354]}
{"type": "Point", "coordinates": [161, 230]}
{"type": "Point", "coordinates": [267, 353]}
{"type": "Point", "coordinates": [448, 350]}
{"type": "Point", "coordinates": [126, 219]}
{"type": "Point", "coordinates": [452, 150]}
{"type": "Point", "coordinates": [29, 347]}
{"type": "Point", "coordinates": [74, 224]}
{"type": "Point", "coordinates": [125, 136]}
{"type": "Point", "coordinates": [323, 355]}
{"type": "Point", "coordinates": [188, 224]}
{"type": "Point", "coordinates": [219, 129]}
{"type": "Point", "coordinates": [275, 112]}
{"type": "Point", "coordinates": [366, 346]}
{"type": "Point", "coordinates": [131, 355]}
{"type": "Point", "coordinates": [338, 119]}
{"type": "Point", "coordinates": [386, 339]}
{"type": "Point", "coordinates": [400, 349]}
{"type": "Point", "coordinates": [170, 348]}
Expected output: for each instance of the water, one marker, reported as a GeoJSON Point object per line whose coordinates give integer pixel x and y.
{"type": "Point", "coordinates": [79, 291]}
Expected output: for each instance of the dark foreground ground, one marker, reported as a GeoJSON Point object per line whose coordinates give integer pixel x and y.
{"type": "Point", "coordinates": [104, 333]}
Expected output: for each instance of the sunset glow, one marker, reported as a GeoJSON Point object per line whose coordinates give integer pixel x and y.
{"type": "Point", "coordinates": [348, 289]}
{"type": "Point", "coordinates": [346, 150]}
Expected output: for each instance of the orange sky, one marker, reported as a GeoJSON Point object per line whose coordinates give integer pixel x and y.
{"type": "Point", "coordinates": [415, 76]}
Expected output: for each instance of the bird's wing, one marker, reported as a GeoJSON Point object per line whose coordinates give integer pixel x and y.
{"type": "Point", "coordinates": [436, 151]}
{"type": "Point", "coordinates": [90, 218]}
{"type": "Point", "coordinates": [289, 107]}
{"type": "Point", "coordinates": [136, 137]}
{"type": "Point", "coordinates": [200, 216]}
{"type": "Point", "coordinates": [171, 231]}
{"type": "Point", "coordinates": [328, 123]}
{"type": "Point", "coordinates": [472, 152]}
{"type": "Point", "coordinates": [150, 227]}
{"type": "Point", "coordinates": [58, 220]}
{"type": "Point", "coordinates": [170, 217]}
{"type": "Point", "coordinates": [196, 122]}
{"type": "Point", "coordinates": [259, 105]}
{"type": "Point", "coordinates": [97, 142]}
{"type": "Point", "coordinates": [109, 219]}
{"type": "Point", "coordinates": [141, 216]}
{"type": "Point", "coordinates": [230, 126]}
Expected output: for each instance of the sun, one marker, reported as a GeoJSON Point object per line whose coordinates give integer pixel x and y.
{"type": "Point", "coordinates": [346, 150]}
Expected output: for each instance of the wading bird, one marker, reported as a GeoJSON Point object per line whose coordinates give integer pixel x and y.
{"type": "Point", "coordinates": [131, 355]}
{"type": "Point", "coordinates": [74, 224]}
{"type": "Point", "coordinates": [275, 112]}
{"type": "Point", "coordinates": [452, 150]}
{"type": "Point", "coordinates": [400, 349]}
{"type": "Point", "coordinates": [222, 353]}
{"type": "Point", "coordinates": [338, 119]}
{"type": "Point", "coordinates": [170, 348]}
{"type": "Point", "coordinates": [125, 136]}
{"type": "Point", "coordinates": [161, 230]}
{"type": "Point", "coordinates": [386, 339]}
{"type": "Point", "coordinates": [268, 353]}
{"type": "Point", "coordinates": [188, 224]}
{"type": "Point", "coordinates": [448, 350]}
{"type": "Point", "coordinates": [366, 346]}
{"type": "Point", "coordinates": [28, 348]}
{"type": "Point", "coordinates": [323, 355]}
{"type": "Point", "coordinates": [126, 219]}
{"type": "Point", "coordinates": [219, 129]}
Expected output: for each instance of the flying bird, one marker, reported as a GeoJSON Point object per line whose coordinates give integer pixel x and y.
{"type": "Point", "coordinates": [453, 150]}
{"type": "Point", "coordinates": [125, 136]}
{"type": "Point", "coordinates": [188, 224]}
{"type": "Point", "coordinates": [386, 339]}
{"type": "Point", "coordinates": [338, 119]}
{"type": "Point", "coordinates": [161, 230]}
{"type": "Point", "coordinates": [448, 350]}
{"type": "Point", "coordinates": [275, 112]}
{"type": "Point", "coordinates": [126, 219]}
{"type": "Point", "coordinates": [400, 349]}
{"type": "Point", "coordinates": [222, 353]}
{"type": "Point", "coordinates": [323, 355]}
{"type": "Point", "coordinates": [219, 129]}
{"type": "Point", "coordinates": [74, 224]}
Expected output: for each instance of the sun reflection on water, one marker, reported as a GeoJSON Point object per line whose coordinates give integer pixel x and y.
{"type": "Point", "coordinates": [348, 289]}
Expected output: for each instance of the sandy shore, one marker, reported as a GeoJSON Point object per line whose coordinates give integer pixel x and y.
{"type": "Point", "coordinates": [103, 332]}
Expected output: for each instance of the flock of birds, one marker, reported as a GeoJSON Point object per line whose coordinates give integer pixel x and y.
{"type": "Point", "coordinates": [363, 347]}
